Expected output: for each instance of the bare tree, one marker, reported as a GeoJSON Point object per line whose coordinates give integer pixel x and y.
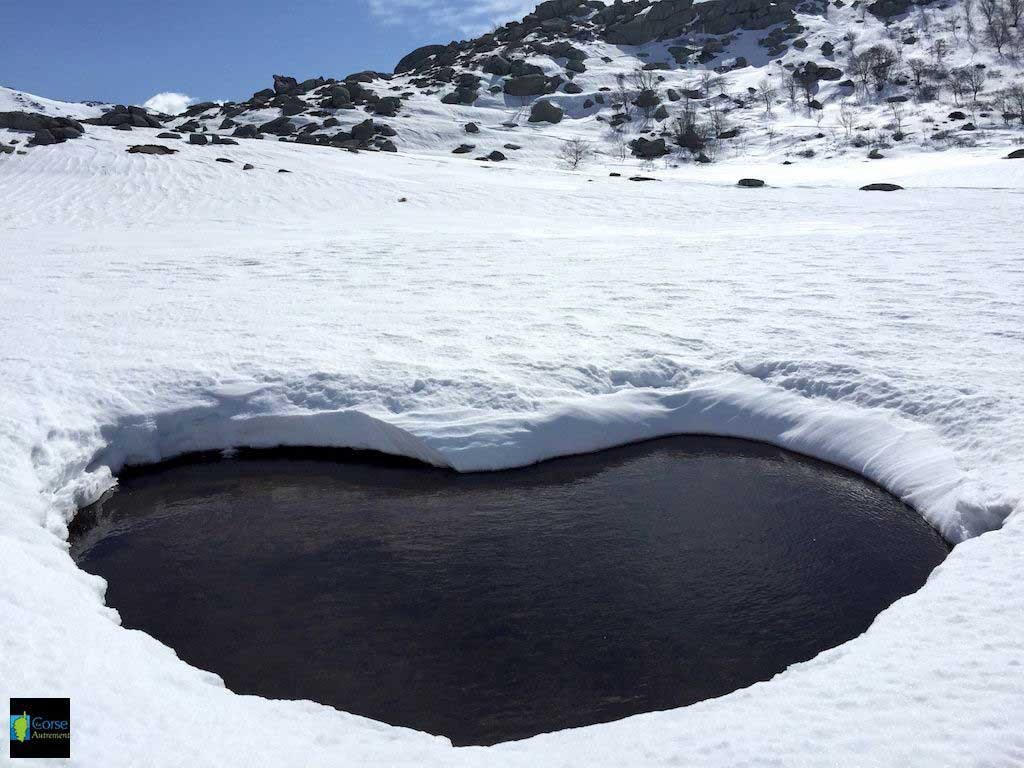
{"type": "Point", "coordinates": [998, 22]}
{"type": "Point", "coordinates": [881, 60]}
{"type": "Point", "coordinates": [967, 8]}
{"type": "Point", "coordinates": [1015, 93]}
{"type": "Point", "coordinates": [974, 80]}
{"type": "Point", "coordinates": [766, 92]}
{"type": "Point", "coordinates": [790, 84]}
{"type": "Point", "coordinates": [896, 110]}
{"type": "Point", "coordinates": [808, 87]}
{"type": "Point", "coordinates": [644, 80]}
{"type": "Point", "coordinates": [709, 81]}
{"type": "Point", "coordinates": [847, 117]}
{"type": "Point", "coordinates": [622, 96]}
{"type": "Point", "coordinates": [918, 70]}
{"type": "Point", "coordinates": [1014, 12]}
{"type": "Point", "coordinates": [575, 152]}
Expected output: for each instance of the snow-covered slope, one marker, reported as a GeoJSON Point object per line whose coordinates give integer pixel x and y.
{"type": "Point", "coordinates": [887, 76]}
{"type": "Point", "coordinates": [19, 101]}
{"type": "Point", "coordinates": [502, 314]}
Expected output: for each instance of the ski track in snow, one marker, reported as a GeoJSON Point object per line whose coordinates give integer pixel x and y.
{"type": "Point", "coordinates": [154, 305]}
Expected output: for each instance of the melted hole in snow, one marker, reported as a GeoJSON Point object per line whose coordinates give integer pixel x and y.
{"type": "Point", "coordinates": [496, 606]}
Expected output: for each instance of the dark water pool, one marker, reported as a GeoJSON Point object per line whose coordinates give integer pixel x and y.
{"type": "Point", "coordinates": [497, 606]}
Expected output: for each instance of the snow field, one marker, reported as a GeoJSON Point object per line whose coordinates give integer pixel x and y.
{"type": "Point", "coordinates": [503, 315]}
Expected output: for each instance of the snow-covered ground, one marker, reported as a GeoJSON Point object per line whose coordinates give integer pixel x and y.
{"type": "Point", "coordinates": [502, 315]}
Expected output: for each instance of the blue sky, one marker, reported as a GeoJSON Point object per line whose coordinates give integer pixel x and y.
{"type": "Point", "coordinates": [125, 51]}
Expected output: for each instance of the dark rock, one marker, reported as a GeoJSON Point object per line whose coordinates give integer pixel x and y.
{"type": "Point", "coordinates": [572, 88]}
{"type": "Point", "coordinates": [222, 140]}
{"type": "Point", "coordinates": [496, 156]}
{"type": "Point", "coordinates": [752, 183]}
{"type": "Point", "coordinates": [497, 65]}
{"type": "Point", "coordinates": [387, 145]}
{"type": "Point", "coordinates": [641, 178]}
{"type": "Point", "coordinates": [283, 170]}
{"type": "Point", "coordinates": [168, 135]}
{"type": "Point", "coordinates": [279, 126]}
{"type": "Point", "coordinates": [150, 149]}
{"type": "Point", "coordinates": [415, 59]}
{"type": "Point", "coordinates": [527, 85]}
{"type": "Point", "coordinates": [283, 84]}
{"type": "Point", "coordinates": [43, 137]}
{"type": "Point", "coordinates": [224, 160]}
{"type": "Point", "coordinates": [874, 154]}
{"type": "Point", "coordinates": [363, 131]}
{"type": "Point", "coordinates": [198, 139]}
{"type": "Point", "coordinates": [512, 147]}
{"type": "Point", "coordinates": [544, 111]}
{"type": "Point", "coordinates": [472, 128]}
{"type": "Point", "coordinates": [881, 187]}
{"type": "Point", "coordinates": [248, 167]}
{"type": "Point", "coordinates": [123, 127]}
{"type": "Point", "coordinates": [649, 149]}
{"type": "Point", "coordinates": [463, 149]}
{"type": "Point", "coordinates": [245, 132]}
{"type": "Point", "coordinates": [957, 116]}
{"type": "Point", "coordinates": [1017, 154]}
{"type": "Point", "coordinates": [661, 113]}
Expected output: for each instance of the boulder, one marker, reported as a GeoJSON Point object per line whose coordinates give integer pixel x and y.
{"type": "Point", "coordinates": [248, 167]}
{"type": "Point", "coordinates": [472, 128]}
{"type": "Point", "coordinates": [496, 156]}
{"type": "Point", "coordinates": [44, 137]}
{"type": "Point", "coordinates": [150, 149]}
{"type": "Point", "coordinates": [874, 154]}
{"type": "Point", "coordinates": [1017, 154]}
{"type": "Point", "coordinates": [497, 65]}
{"type": "Point", "coordinates": [572, 88]}
{"type": "Point", "coordinates": [279, 126]}
{"type": "Point", "coordinates": [527, 85]}
{"type": "Point", "coordinates": [648, 149]}
{"type": "Point", "coordinates": [167, 135]}
{"type": "Point", "coordinates": [197, 139]}
{"type": "Point", "coordinates": [283, 84]}
{"type": "Point", "coordinates": [363, 131]}
{"type": "Point", "coordinates": [418, 57]}
{"type": "Point", "coordinates": [750, 183]}
{"type": "Point", "coordinates": [881, 187]}
{"type": "Point", "coordinates": [463, 149]}
{"type": "Point", "coordinates": [544, 111]}
{"type": "Point", "coordinates": [245, 132]}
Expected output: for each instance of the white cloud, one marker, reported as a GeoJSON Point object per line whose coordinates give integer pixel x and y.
{"type": "Point", "coordinates": [466, 18]}
{"type": "Point", "coordinates": [169, 103]}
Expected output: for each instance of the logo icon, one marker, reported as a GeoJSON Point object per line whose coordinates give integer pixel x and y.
{"type": "Point", "coordinates": [20, 729]}
{"type": "Point", "coordinates": [40, 728]}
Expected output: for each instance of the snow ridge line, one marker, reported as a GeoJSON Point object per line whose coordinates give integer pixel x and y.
{"type": "Point", "coordinates": [904, 458]}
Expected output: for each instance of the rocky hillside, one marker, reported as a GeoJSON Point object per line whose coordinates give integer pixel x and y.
{"type": "Point", "coordinates": [671, 81]}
